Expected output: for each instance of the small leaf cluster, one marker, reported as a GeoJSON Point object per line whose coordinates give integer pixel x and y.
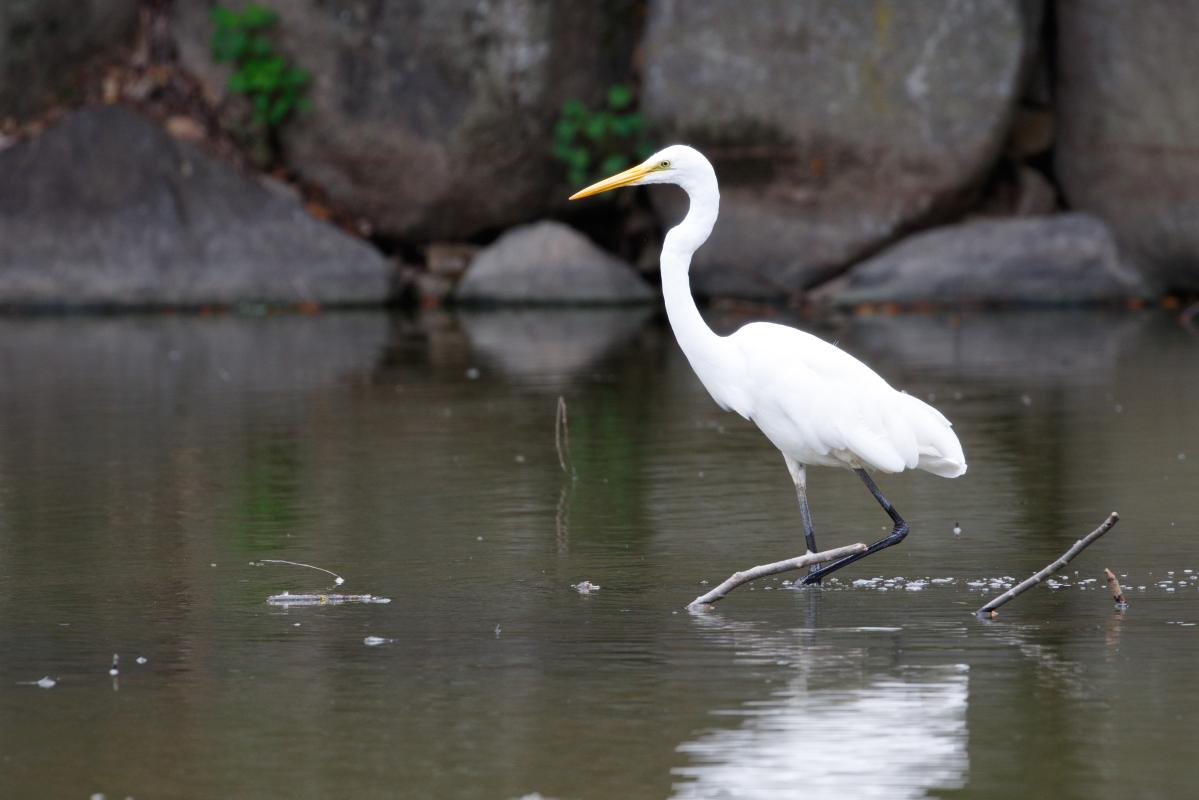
{"type": "Point", "coordinates": [595, 144]}
{"type": "Point", "coordinates": [274, 87]}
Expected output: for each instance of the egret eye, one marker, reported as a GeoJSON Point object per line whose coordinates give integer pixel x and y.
{"type": "Point", "coordinates": [663, 164]}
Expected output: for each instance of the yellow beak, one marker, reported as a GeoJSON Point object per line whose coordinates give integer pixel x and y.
{"type": "Point", "coordinates": [629, 176]}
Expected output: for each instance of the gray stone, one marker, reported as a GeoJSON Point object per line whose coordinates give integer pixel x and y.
{"type": "Point", "coordinates": [1061, 259]}
{"type": "Point", "coordinates": [549, 262]}
{"type": "Point", "coordinates": [434, 118]}
{"type": "Point", "coordinates": [1128, 127]}
{"type": "Point", "coordinates": [42, 41]}
{"type": "Point", "coordinates": [832, 125]}
{"type": "Point", "coordinates": [106, 209]}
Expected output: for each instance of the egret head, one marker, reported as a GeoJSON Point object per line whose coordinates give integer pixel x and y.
{"type": "Point", "coordinates": [677, 164]}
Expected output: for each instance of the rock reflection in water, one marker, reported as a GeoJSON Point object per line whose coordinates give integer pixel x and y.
{"type": "Point", "coordinates": [550, 345]}
{"type": "Point", "coordinates": [1028, 347]}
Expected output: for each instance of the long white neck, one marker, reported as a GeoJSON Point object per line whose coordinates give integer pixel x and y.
{"type": "Point", "coordinates": [707, 352]}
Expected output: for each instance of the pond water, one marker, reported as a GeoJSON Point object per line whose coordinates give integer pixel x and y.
{"type": "Point", "coordinates": [149, 464]}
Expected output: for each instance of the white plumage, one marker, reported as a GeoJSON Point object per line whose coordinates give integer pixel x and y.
{"type": "Point", "coordinates": [816, 403]}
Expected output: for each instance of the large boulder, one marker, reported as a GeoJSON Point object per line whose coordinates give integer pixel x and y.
{"type": "Point", "coordinates": [1060, 259]}
{"type": "Point", "coordinates": [42, 41]}
{"type": "Point", "coordinates": [832, 125]}
{"type": "Point", "coordinates": [549, 263]}
{"type": "Point", "coordinates": [1128, 141]}
{"type": "Point", "coordinates": [434, 118]}
{"type": "Point", "coordinates": [105, 209]}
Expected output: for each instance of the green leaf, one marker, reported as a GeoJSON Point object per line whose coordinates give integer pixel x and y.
{"type": "Point", "coordinates": [612, 164]}
{"type": "Point", "coordinates": [223, 17]}
{"type": "Point", "coordinates": [595, 127]}
{"type": "Point", "coordinates": [279, 111]}
{"type": "Point", "coordinates": [619, 96]}
{"type": "Point", "coordinates": [258, 17]}
{"type": "Point", "coordinates": [237, 83]}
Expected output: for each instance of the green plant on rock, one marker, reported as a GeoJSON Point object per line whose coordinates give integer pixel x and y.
{"type": "Point", "coordinates": [273, 86]}
{"type": "Point", "coordinates": [595, 144]}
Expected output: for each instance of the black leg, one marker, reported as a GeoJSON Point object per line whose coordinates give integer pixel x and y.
{"type": "Point", "coordinates": [809, 535]}
{"type": "Point", "coordinates": [896, 535]}
{"type": "Point", "coordinates": [800, 476]}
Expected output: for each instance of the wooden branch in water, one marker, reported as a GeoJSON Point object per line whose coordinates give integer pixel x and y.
{"type": "Point", "coordinates": [762, 570]}
{"type": "Point", "coordinates": [1117, 592]}
{"type": "Point", "coordinates": [562, 437]}
{"type": "Point", "coordinates": [1062, 561]}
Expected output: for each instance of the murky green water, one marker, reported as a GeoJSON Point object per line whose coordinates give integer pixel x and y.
{"type": "Point", "coordinates": [145, 462]}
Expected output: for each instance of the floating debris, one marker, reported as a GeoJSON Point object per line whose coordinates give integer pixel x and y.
{"type": "Point", "coordinates": [585, 587]}
{"type": "Point", "coordinates": [116, 659]}
{"type": "Point", "coordinates": [141, 659]}
{"type": "Point", "coordinates": [308, 599]}
{"type": "Point", "coordinates": [375, 641]}
{"type": "Point", "coordinates": [43, 683]}
{"type": "Point", "coordinates": [957, 529]}
{"type": "Point", "coordinates": [498, 631]}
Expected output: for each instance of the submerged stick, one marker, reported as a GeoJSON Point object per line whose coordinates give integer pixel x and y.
{"type": "Point", "coordinates": [315, 599]}
{"type": "Point", "coordinates": [1062, 561]}
{"type": "Point", "coordinates": [762, 570]}
{"type": "Point", "coordinates": [1117, 592]}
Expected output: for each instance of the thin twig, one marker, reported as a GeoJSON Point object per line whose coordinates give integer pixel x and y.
{"type": "Point", "coordinates": [1062, 561]}
{"type": "Point", "coordinates": [1117, 592]}
{"type": "Point", "coordinates": [562, 437]}
{"type": "Point", "coordinates": [762, 570]}
{"type": "Point", "coordinates": [337, 579]}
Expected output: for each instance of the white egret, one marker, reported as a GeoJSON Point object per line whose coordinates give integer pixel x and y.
{"type": "Point", "coordinates": [817, 404]}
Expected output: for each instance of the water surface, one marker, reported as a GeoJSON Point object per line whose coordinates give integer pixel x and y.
{"type": "Point", "coordinates": [147, 464]}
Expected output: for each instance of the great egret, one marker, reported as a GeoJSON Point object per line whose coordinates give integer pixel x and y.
{"type": "Point", "coordinates": [817, 404]}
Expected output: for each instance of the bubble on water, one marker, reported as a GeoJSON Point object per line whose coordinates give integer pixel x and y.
{"type": "Point", "coordinates": [520, 458]}
{"type": "Point", "coordinates": [1026, 400]}
{"type": "Point", "coordinates": [943, 580]}
{"type": "Point", "coordinates": [472, 373]}
{"type": "Point", "coordinates": [141, 659]}
{"type": "Point", "coordinates": [585, 587]}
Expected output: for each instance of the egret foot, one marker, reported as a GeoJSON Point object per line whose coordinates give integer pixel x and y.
{"type": "Point", "coordinates": [897, 535]}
